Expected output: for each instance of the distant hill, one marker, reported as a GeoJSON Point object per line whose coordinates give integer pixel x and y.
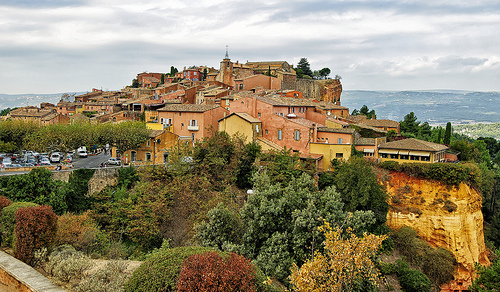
{"type": "Point", "coordinates": [20, 100]}
{"type": "Point", "coordinates": [434, 107]}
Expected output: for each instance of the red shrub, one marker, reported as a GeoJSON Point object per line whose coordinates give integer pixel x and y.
{"type": "Point", "coordinates": [4, 202]}
{"type": "Point", "coordinates": [35, 228]}
{"type": "Point", "coordinates": [212, 272]}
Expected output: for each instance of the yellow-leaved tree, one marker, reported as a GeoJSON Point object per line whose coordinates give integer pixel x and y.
{"type": "Point", "coordinates": [346, 260]}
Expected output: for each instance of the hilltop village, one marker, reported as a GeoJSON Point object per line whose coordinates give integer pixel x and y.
{"type": "Point", "coordinates": [264, 101]}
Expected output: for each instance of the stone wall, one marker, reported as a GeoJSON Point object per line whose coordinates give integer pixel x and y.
{"type": "Point", "coordinates": [102, 178]}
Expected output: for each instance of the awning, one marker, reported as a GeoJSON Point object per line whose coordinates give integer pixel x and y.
{"type": "Point", "coordinates": [388, 151]}
{"type": "Point", "coordinates": [368, 150]}
{"type": "Point", "coordinates": [420, 153]}
{"type": "Point", "coordinates": [404, 152]}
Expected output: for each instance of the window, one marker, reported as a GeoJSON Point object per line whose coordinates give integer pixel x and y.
{"type": "Point", "coordinates": [280, 114]}
{"type": "Point", "coordinates": [280, 134]}
{"type": "Point", "coordinates": [241, 86]}
{"type": "Point", "coordinates": [394, 156]}
{"type": "Point", "coordinates": [256, 128]}
{"type": "Point", "coordinates": [383, 155]}
{"type": "Point", "coordinates": [258, 114]}
{"type": "Point", "coordinates": [148, 156]}
{"type": "Point", "coordinates": [297, 135]}
{"type": "Point", "coordinates": [133, 156]}
{"type": "Point", "coordinates": [292, 110]}
{"type": "Point", "coordinates": [339, 155]}
{"type": "Point", "coordinates": [148, 143]}
{"type": "Point", "coordinates": [193, 123]}
{"type": "Point", "coordinates": [340, 141]}
{"type": "Point", "coordinates": [406, 157]}
{"type": "Point", "coordinates": [267, 132]}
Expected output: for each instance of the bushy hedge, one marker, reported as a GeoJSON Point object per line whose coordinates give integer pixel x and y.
{"type": "Point", "coordinates": [8, 221]}
{"type": "Point", "coordinates": [448, 173]}
{"type": "Point", "coordinates": [160, 272]}
{"type": "Point", "coordinates": [35, 229]}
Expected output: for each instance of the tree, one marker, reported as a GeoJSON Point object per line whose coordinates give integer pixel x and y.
{"type": "Point", "coordinates": [346, 261]}
{"type": "Point", "coordinates": [357, 184]}
{"type": "Point", "coordinates": [410, 125]}
{"type": "Point", "coordinates": [305, 68]}
{"type": "Point", "coordinates": [162, 79]}
{"type": "Point", "coordinates": [35, 228]}
{"type": "Point", "coordinates": [489, 277]}
{"type": "Point", "coordinates": [205, 74]}
{"type": "Point", "coordinates": [280, 221]}
{"type": "Point", "coordinates": [324, 72]}
{"type": "Point", "coordinates": [447, 134]}
{"type": "Point", "coordinates": [173, 70]}
{"type": "Point", "coordinates": [135, 83]}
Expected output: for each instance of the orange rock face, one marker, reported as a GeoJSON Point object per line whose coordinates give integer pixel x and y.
{"type": "Point", "coordinates": [444, 216]}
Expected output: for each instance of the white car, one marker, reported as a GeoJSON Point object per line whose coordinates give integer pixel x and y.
{"type": "Point", "coordinates": [55, 157]}
{"type": "Point", "coordinates": [114, 161]}
{"type": "Point", "coordinates": [82, 153]}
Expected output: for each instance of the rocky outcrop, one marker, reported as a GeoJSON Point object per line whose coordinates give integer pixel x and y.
{"type": "Point", "coordinates": [445, 216]}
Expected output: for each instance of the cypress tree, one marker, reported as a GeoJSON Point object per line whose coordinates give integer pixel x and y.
{"type": "Point", "coordinates": [447, 134]}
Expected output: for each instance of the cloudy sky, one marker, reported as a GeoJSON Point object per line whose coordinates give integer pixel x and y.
{"type": "Point", "coordinates": [52, 46]}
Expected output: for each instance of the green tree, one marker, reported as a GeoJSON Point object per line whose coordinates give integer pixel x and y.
{"type": "Point", "coordinates": [447, 134]}
{"type": "Point", "coordinates": [205, 73]}
{"type": "Point", "coordinates": [304, 66]}
{"type": "Point", "coordinates": [173, 70]}
{"type": "Point", "coordinates": [489, 277]}
{"type": "Point", "coordinates": [410, 125]}
{"type": "Point", "coordinates": [135, 83]}
{"type": "Point", "coordinates": [324, 72]}
{"type": "Point", "coordinates": [162, 81]}
{"type": "Point", "coordinates": [357, 184]}
{"type": "Point", "coordinates": [280, 221]}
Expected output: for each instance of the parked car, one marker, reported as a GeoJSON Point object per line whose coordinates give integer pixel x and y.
{"type": "Point", "coordinates": [114, 161]}
{"type": "Point", "coordinates": [26, 164]}
{"type": "Point", "coordinates": [69, 158]}
{"type": "Point", "coordinates": [6, 160]}
{"type": "Point", "coordinates": [44, 162]}
{"type": "Point", "coordinates": [55, 157]}
{"type": "Point", "coordinates": [82, 153]}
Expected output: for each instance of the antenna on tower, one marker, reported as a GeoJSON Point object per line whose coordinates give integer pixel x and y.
{"type": "Point", "coordinates": [227, 54]}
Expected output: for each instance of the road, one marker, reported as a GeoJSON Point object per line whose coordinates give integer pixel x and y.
{"type": "Point", "coordinates": [92, 161]}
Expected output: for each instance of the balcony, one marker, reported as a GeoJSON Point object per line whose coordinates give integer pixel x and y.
{"type": "Point", "coordinates": [193, 128]}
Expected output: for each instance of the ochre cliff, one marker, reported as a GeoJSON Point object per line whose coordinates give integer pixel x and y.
{"type": "Point", "coordinates": [444, 216]}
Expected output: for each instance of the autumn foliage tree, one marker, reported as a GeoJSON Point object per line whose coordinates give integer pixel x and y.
{"type": "Point", "coordinates": [212, 272]}
{"type": "Point", "coordinates": [35, 228]}
{"type": "Point", "coordinates": [345, 262]}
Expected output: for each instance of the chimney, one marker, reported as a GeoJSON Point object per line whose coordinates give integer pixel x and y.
{"type": "Point", "coordinates": [315, 133]}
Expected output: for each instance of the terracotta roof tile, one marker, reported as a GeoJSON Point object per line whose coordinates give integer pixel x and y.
{"type": "Point", "coordinates": [337, 130]}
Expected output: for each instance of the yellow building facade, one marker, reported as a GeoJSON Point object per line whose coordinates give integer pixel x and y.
{"type": "Point", "coordinates": [330, 152]}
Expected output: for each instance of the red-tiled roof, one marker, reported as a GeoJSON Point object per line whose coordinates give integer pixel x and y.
{"type": "Point", "coordinates": [187, 108]}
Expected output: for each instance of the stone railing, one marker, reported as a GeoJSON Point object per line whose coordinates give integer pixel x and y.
{"type": "Point", "coordinates": [16, 276]}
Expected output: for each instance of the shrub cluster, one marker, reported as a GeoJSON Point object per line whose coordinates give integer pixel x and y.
{"type": "Point", "coordinates": [160, 272]}
{"type": "Point", "coordinates": [35, 229]}
{"type": "Point", "coordinates": [212, 272]}
{"type": "Point", "coordinates": [448, 173]}
{"type": "Point", "coordinates": [110, 278]}
{"type": "Point", "coordinates": [8, 221]}
{"type": "Point", "coordinates": [412, 280]}
{"type": "Point", "coordinates": [4, 202]}
{"type": "Point", "coordinates": [65, 264]}
{"type": "Point", "coordinates": [436, 263]}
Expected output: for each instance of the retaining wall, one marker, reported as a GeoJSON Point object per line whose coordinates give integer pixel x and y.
{"type": "Point", "coordinates": [16, 276]}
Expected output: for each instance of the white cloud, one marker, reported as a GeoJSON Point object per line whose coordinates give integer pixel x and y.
{"type": "Point", "coordinates": [384, 44]}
